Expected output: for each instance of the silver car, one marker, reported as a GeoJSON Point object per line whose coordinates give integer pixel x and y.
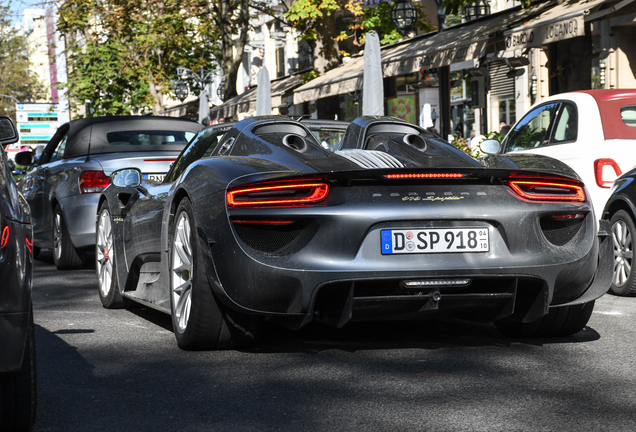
{"type": "Point", "coordinates": [64, 183]}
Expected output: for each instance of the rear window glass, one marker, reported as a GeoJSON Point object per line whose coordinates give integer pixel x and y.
{"type": "Point", "coordinates": [329, 138]}
{"type": "Point", "coordinates": [143, 138]}
{"type": "Point", "coordinates": [628, 114]}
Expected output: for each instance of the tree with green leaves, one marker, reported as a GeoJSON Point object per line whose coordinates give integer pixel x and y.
{"type": "Point", "coordinates": [15, 79]}
{"type": "Point", "coordinates": [317, 21]}
{"type": "Point", "coordinates": [123, 54]}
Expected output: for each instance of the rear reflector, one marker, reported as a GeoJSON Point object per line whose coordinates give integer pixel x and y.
{"type": "Point", "coordinates": [423, 176]}
{"type": "Point", "coordinates": [535, 190]}
{"type": "Point", "coordinates": [93, 181]}
{"type": "Point", "coordinates": [261, 222]}
{"type": "Point", "coordinates": [605, 172]}
{"type": "Point", "coordinates": [568, 216]}
{"type": "Point", "coordinates": [278, 195]}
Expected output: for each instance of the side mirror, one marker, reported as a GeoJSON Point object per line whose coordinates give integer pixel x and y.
{"type": "Point", "coordinates": [490, 146]}
{"type": "Point", "coordinates": [126, 178]}
{"type": "Point", "coordinates": [24, 158]}
{"type": "Point", "coordinates": [8, 132]}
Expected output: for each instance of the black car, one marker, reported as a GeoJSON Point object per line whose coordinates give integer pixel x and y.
{"type": "Point", "coordinates": [620, 211]}
{"type": "Point", "coordinates": [258, 221]}
{"type": "Point", "coordinates": [17, 342]}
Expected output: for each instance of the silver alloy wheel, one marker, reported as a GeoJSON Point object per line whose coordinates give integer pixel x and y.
{"type": "Point", "coordinates": [623, 253]}
{"type": "Point", "coordinates": [104, 252]}
{"type": "Point", "coordinates": [57, 236]}
{"type": "Point", "coordinates": [181, 274]}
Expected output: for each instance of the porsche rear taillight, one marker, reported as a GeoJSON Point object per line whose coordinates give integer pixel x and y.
{"type": "Point", "coordinates": [290, 194]}
{"type": "Point", "coordinates": [93, 181]}
{"type": "Point", "coordinates": [540, 190]}
{"type": "Point", "coordinates": [605, 172]}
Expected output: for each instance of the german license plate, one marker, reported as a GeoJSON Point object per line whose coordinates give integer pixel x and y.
{"type": "Point", "coordinates": [435, 240]}
{"type": "Point", "coordinates": [154, 177]}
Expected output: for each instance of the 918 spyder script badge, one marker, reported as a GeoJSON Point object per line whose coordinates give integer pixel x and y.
{"type": "Point", "coordinates": [429, 198]}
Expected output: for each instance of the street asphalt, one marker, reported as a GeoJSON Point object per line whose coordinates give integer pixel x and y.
{"type": "Point", "coordinates": [121, 370]}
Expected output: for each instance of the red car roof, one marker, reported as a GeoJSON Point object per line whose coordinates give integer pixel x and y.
{"type": "Point", "coordinates": [609, 104]}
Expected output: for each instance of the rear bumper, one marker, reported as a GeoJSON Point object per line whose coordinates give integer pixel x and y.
{"type": "Point", "coordinates": [297, 297]}
{"type": "Point", "coordinates": [80, 215]}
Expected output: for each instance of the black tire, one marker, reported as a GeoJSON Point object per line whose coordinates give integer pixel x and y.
{"type": "Point", "coordinates": [36, 252]}
{"type": "Point", "coordinates": [65, 256]}
{"type": "Point", "coordinates": [105, 257]}
{"type": "Point", "coordinates": [18, 390]}
{"type": "Point", "coordinates": [623, 231]}
{"type": "Point", "coordinates": [209, 325]}
{"type": "Point", "coordinates": [560, 321]}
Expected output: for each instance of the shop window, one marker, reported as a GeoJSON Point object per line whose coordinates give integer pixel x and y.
{"type": "Point", "coordinates": [404, 83]}
{"type": "Point", "coordinates": [507, 112]}
{"type": "Point", "coordinates": [462, 111]}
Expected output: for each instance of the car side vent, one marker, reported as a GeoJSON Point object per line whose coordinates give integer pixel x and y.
{"type": "Point", "coordinates": [559, 232]}
{"type": "Point", "coordinates": [295, 142]}
{"type": "Point", "coordinates": [370, 158]}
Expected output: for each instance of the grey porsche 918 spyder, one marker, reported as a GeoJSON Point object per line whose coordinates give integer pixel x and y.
{"type": "Point", "coordinates": [256, 220]}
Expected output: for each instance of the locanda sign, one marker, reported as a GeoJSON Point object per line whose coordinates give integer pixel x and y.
{"type": "Point", "coordinates": [545, 34]}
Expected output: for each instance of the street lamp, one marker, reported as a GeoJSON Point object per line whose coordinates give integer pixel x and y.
{"type": "Point", "coordinates": [476, 10]}
{"type": "Point", "coordinates": [181, 90]}
{"type": "Point", "coordinates": [403, 15]}
{"type": "Point", "coordinates": [220, 90]}
{"type": "Point", "coordinates": [202, 78]}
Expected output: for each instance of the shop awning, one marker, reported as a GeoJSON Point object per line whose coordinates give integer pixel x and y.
{"type": "Point", "coordinates": [343, 79]}
{"type": "Point", "coordinates": [563, 21]}
{"type": "Point", "coordinates": [457, 44]}
{"type": "Point", "coordinates": [246, 102]}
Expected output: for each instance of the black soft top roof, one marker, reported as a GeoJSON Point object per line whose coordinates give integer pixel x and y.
{"type": "Point", "coordinates": [93, 130]}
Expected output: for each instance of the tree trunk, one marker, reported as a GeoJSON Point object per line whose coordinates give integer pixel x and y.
{"type": "Point", "coordinates": [232, 62]}
{"type": "Point", "coordinates": [325, 48]}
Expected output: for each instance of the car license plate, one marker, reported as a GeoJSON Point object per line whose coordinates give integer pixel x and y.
{"type": "Point", "coordinates": [438, 240]}
{"type": "Point", "coordinates": [154, 177]}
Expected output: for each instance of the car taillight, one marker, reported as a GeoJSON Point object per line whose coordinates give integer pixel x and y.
{"type": "Point", "coordinates": [605, 172]}
{"type": "Point", "coordinates": [278, 195]}
{"type": "Point", "coordinates": [93, 181]}
{"type": "Point", "coordinates": [538, 190]}
{"type": "Point", "coordinates": [4, 239]}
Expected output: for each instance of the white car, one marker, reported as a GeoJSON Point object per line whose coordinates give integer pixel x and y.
{"type": "Point", "coordinates": [593, 131]}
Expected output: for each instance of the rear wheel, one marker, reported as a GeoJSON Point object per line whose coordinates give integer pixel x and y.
{"type": "Point", "coordinates": [198, 319]}
{"type": "Point", "coordinates": [105, 263]}
{"type": "Point", "coordinates": [65, 256]}
{"type": "Point", "coordinates": [560, 321]}
{"type": "Point", "coordinates": [18, 390]}
{"type": "Point", "coordinates": [624, 280]}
